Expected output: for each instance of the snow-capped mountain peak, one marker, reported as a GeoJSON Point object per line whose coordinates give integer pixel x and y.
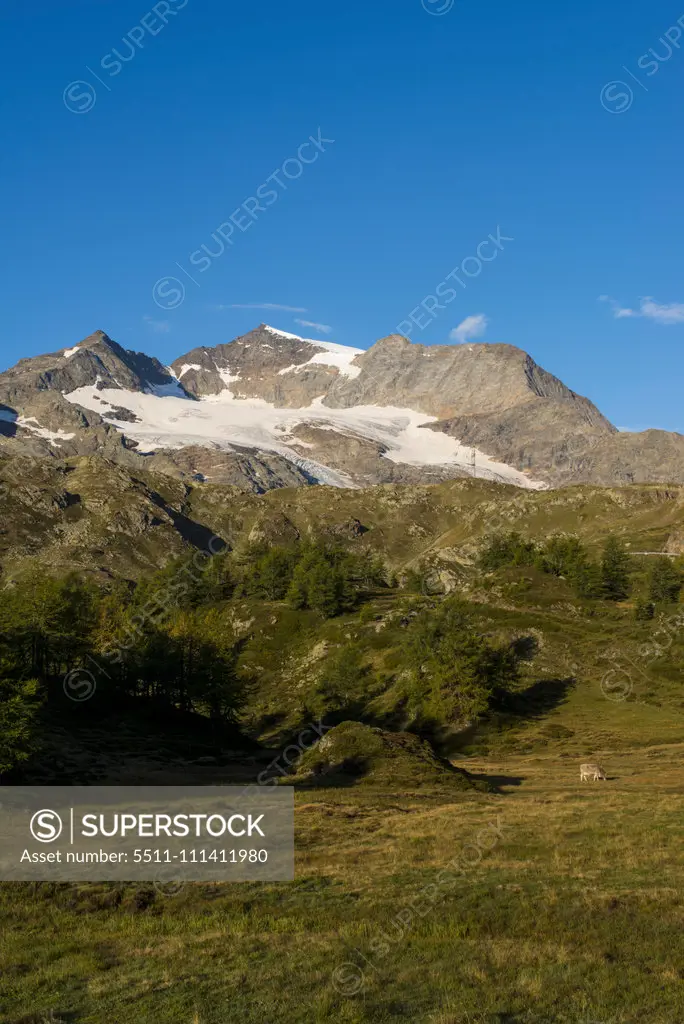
{"type": "Point", "coordinates": [302, 410]}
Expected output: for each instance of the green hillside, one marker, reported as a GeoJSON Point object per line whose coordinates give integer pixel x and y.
{"type": "Point", "coordinates": [461, 648]}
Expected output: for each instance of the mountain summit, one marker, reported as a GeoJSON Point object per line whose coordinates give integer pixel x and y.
{"type": "Point", "coordinates": [273, 409]}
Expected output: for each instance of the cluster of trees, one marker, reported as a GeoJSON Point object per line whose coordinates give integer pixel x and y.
{"type": "Point", "coordinates": [663, 586]}
{"type": "Point", "coordinates": [454, 670]}
{"type": "Point", "coordinates": [324, 578]}
{"type": "Point", "coordinates": [664, 581]}
{"type": "Point", "coordinates": [610, 577]}
{"type": "Point", "coordinates": [163, 639]}
{"type": "Point", "coordinates": [19, 707]}
{"type": "Point", "coordinates": [44, 624]}
{"type": "Point", "coordinates": [445, 670]}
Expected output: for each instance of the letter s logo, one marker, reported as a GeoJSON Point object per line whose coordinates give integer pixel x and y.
{"type": "Point", "coordinates": [616, 97]}
{"type": "Point", "coordinates": [79, 97]}
{"type": "Point", "coordinates": [168, 292]}
{"type": "Point", "coordinates": [46, 826]}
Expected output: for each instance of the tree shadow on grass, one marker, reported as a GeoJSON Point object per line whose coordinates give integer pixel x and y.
{"type": "Point", "coordinates": [508, 710]}
{"type": "Point", "coordinates": [497, 782]}
{"type": "Point", "coordinates": [536, 701]}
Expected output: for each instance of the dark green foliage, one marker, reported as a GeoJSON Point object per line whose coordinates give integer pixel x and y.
{"type": "Point", "coordinates": [19, 706]}
{"type": "Point", "coordinates": [414, 580]}
{"type": "Point", "coordinates": [187, 659]}
{"type": "Point", "coordinates": [367, 571]}
{"type": "Point", "coordinates": [329, 591]}
{"type": "Point", "coordinates": [508, 549]}
{"type": "Point", "coordinates": [367, 614]}
{"type": "Point", "coordinates": [166, 640]}
{"type": "Point", "coordinates": [664, 581]}
{"type": "Point", "coordinates": [562, 556]}
{"type": "Point", "coordinates": [615, 567]}
{"type": "Point", "coordinates": [271, 574]}
{"type": "Point", "coordinates": [44, 625]}
{"type": "Point", "coordinates": [344, 683]}
{"type": "Point", "coordinates": [152, 644]}
{"type": "Point", "coordinates": [179, 584]}
{"type": "Point", "coordinates": [325, 580]}
{"type": "Point", "coordinates": [298, 591]}
{"type": "Point", "coordinates": [319, 576]}
{"type": "Point", "coordinates": [566, 557]}
{"type": "Point", "coordinates": [588, 580]}
{"type": "Point", "coordinates": [203, 666]}
{"type": "Point", "coordinates": [644, 610]}
{"type": "Point", "coordinates": [219, 578]}
{"type": "Point", "coordinates": [455, 670]}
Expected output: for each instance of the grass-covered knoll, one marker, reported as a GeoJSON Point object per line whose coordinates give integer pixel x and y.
{"type": "Point", "coordinates": [353, 753]}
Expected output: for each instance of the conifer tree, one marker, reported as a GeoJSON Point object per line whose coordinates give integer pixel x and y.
{"type": "Point", "coordinates": [665, 581]}
{"type": "Point", "coordinates": [615, 565]}
{"type": "Point", "coordinates": [19, 707]}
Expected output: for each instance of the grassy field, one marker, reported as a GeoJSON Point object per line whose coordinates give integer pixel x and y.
{"type": "Point", "coordinates": [547, 900]}
{"type": "Point", "coordinates": [536, 899]}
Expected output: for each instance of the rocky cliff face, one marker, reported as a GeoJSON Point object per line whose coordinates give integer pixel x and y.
{"type": "Point", "coordinates": [450, 380]}
{"type": "Point", "coordinates": [440, 380]}
{"type": "Point", "coordinates": [280, 368]}
{"type": "Point", "coordinates": [35, 412]}
{"type": "Point", "coordinates": [97, 360]}
{"type": "Point", "coordinates": [271, 409]}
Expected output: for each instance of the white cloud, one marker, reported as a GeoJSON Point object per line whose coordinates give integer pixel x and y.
{"type": "Point", "coordinates": [667, 313]}
{"type": "Point", "coordinates": [264, 305]}
{"type": "Point", "coordinates": [671, 313]}
{"type": "Point", "coordinates": [158, 326]}
{"type": "Point", "coordinates": [619, 312]}
{"type": "Point", "coordinates": [325, 328]}
{"type": "Point", "coordinates": [471, 327]}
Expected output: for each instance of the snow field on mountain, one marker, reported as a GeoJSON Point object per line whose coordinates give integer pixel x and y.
{"type": "Point", "coordinates": [340, 356]}
{"type": "Point", "coordinates": [222, 421]}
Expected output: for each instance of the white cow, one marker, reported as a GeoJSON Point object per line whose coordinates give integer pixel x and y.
{"type": "Point", "coordinates": [593, 771]}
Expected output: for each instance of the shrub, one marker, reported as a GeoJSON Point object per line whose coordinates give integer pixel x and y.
{"type": "Point", "coordinates": [19, 707]}
{"type": "Point", "coordinates": [644, 610]}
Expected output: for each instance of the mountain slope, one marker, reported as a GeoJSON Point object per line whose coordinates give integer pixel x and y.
{"type": "Point", "coordinates": [92, 514]}
{"type": "Point", "coordinates": [97, 360]}
{"type": "Point", "coordinates": [272, 409]}
{"type": "Point", "coordinates": [34, 408]}
{"type": "Point", "coordinates": [280, 368]}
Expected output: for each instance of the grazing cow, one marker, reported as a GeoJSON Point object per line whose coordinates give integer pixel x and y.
{"type": "Point", "coordinates": [593, 771]}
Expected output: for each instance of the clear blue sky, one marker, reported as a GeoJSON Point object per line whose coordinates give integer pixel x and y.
{"type": "Point", "coordinates": [446, 126]}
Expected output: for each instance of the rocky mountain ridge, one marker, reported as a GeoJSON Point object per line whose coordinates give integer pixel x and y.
{"type": "Point", "coordinates": [271, 409]}
{"type": "Point", "coordinates": [105, 520]}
